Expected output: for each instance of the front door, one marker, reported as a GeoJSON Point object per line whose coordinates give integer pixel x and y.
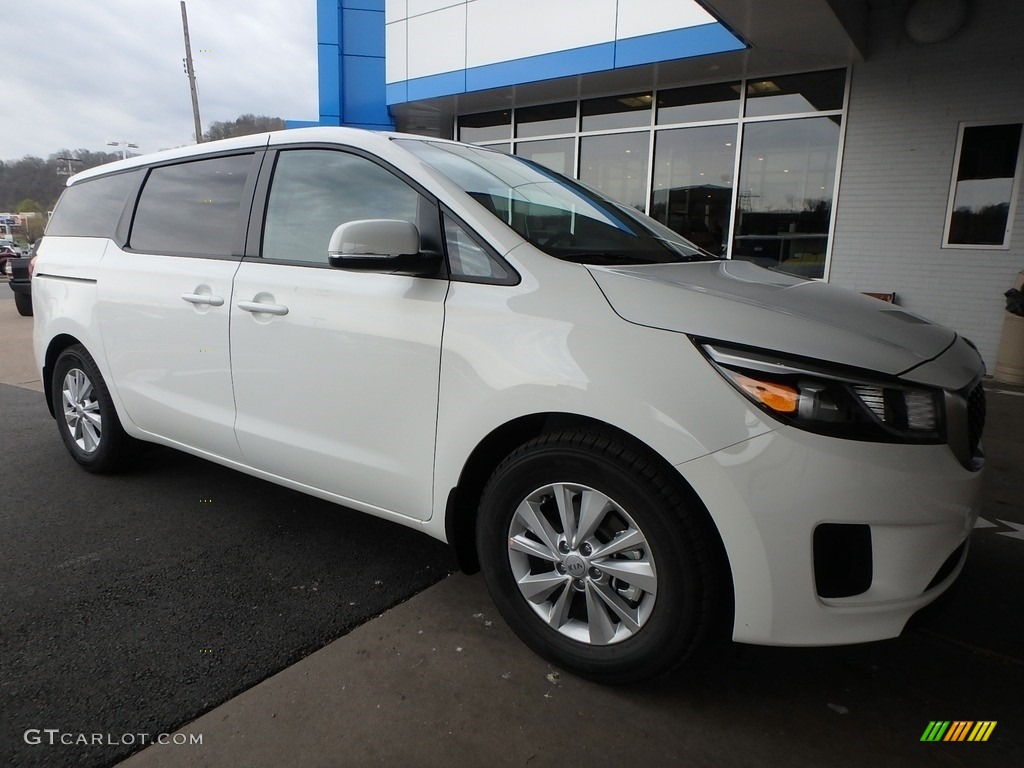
{"type": "Point", "coordinates": [336, 372]}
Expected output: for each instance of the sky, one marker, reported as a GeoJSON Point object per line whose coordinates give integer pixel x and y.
{"type": "Point", "coordinates": [80, 73]}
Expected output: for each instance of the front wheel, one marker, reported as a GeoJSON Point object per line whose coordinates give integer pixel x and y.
{"type": "Point", "coordinates": [86, 418]}
{"type": "Point", "coordinates": [596, 559]}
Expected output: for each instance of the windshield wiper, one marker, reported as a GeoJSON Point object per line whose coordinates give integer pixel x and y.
{"type": "Point", "coordinates": [619, 258]}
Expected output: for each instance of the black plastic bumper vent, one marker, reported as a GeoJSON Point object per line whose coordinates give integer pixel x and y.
{"type": "Point", "coordinates": [842, 559]}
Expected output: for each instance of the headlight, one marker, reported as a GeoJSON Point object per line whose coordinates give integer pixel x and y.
{"type": "Point", "coordinates": [832, 402]}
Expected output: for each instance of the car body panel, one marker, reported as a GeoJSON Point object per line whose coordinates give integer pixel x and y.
{"type": "Point", "coordinates": [340, 393]}
{"type": "Point", "coordinates": [173, 385]}
{"type": "Point", "coordinates": [742, 303]}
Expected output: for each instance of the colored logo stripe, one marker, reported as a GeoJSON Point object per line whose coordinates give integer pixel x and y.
{"type": "Point", "coordinates": [958, 730]}
{"type": "Point", "coordinates": [982, 730]}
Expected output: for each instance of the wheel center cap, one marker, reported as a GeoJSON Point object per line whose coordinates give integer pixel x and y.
{"type": "Point", "coordinates": [576, 566]}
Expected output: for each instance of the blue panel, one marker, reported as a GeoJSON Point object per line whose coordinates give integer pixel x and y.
{"type": "Point", "coordinates": [362, 32]}
{"type": "Point", "coordinates": [328, 22]}
{"type": "Point", "coordinates": [397, 93]}
{"type": "Point", "coordinates": [591, 58]}
{"type": "Point", "coordinates": [301, 123]}
{"type": "Point", "coordinates": [329, 69]}
{"type": "Point", "coordinates": [366, 5]}
{"type": "Point", "coordinates": [675, 44]}
{"type": "Point", "coordinates": [363, 94]}
{"type": "Point", "coordinates": [436, 85]}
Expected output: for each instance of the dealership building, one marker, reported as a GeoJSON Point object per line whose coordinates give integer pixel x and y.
{"type": "Point", "coordinates": [875, 144]}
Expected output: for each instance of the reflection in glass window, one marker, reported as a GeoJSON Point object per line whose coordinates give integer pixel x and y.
{"type": "Point", "coordinates": [546, 119]}
{"type": "Point", "coordinates": [787, 175]}
{"type": "Point", "coordinates": [692, 191]}
{"type": "Point", "coordinates": [812, 92]}
{"type": "Point", "coordinates": [559, 216]}
{"type": "Point", "coordinates": [467, 259]}
{"type": "Point", "coordinates": [316, 190]}
{"type": "Point", "coordinates": [630, 111]}
{"type": "Point", "coordinates": [617, 165]}
{"type": "Point", "coordinates": [192, 208]}
{"type": "Point", "coordinates": [700, 103]}
{"type": "Point", "coordinates": [486, 126]}
{"type": "Point", "coordinates": [95, 208]}
{"type": "Point", "coordinates": [983, 189]}
{"type": "Point", "coordinates": [556, 154]}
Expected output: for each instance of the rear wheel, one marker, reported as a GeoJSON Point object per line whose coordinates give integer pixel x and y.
{"type": "Point", "coordinates": [595, 559]}
{"type": "Point", "coordinates": [23, 302]}
{"type": "Point", "coordinates": [86, 418]}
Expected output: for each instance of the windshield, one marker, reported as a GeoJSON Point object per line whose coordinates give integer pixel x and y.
{"type": "Point", "coordinates": [556, 214]}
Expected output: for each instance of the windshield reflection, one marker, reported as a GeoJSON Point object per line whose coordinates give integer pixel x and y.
{"type": "Point", "coordinates": [558, 215]}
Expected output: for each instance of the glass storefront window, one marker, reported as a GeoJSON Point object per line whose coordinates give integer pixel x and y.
{"type": "Point", "coordinates": [630, 111]}
{"type": "Point", "coordinates": [616, 164]}
{"type": "Point", "coordinates": [546, 120]}
{"type": "Point", "coordinates": [681, 167]}
{"type": "Point", "coordinates": [784, 205]}
{"type": "Point", "coordinates": [792, 94]}
{"type": "Point", "coordinates": [556, 154]}
{"type": "Point", "coordinates": [700, 103]}
{"type": "Point", "coordinates": [486, 126]}
{"type": "Point", "coordinates": [979, 212]}
{"type": "Point", "coordinates": [692, 188]}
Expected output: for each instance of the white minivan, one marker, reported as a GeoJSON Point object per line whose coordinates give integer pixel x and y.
{"type": "Point", "coordinates": [638, 443]}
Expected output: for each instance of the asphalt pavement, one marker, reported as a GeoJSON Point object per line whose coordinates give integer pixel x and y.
{"type": "Point", "coordinates": [265, 628]}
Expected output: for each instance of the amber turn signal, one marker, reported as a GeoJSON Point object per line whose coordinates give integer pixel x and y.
{"type": "Point", "coordinates": [779, 397]}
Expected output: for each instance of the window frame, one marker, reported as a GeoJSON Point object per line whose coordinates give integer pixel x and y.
{"type": "Point", "coordinates": [1018, 171]}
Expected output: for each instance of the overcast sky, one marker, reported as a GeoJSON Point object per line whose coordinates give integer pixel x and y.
{"type": "Point", "coordinates": [78, 74]}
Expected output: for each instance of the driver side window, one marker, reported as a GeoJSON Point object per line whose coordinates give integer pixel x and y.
{"type": "Point", "coordinates": [315, 190]}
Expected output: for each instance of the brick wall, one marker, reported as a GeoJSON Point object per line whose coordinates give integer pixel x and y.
{"type": "Point", "coordinates": [906, 103]}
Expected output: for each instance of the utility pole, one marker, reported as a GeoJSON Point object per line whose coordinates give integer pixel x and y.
{"type": "Point", "coordinates": [191, 76]}
{"type": "Point", "coordinates": [124, 146]}
{"type": "Point", "coordinates": [69, 165]}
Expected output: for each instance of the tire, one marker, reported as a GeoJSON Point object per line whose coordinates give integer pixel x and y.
{"type": "Point", "coordinates": [86, 419]}
{"type": "Point", "coordinates": [556, 582]}
{"type": "Point", "coordinates": [23, 301]}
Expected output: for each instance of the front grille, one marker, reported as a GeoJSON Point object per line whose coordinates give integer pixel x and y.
{"type": "Point", "coordinates": [975, 418]}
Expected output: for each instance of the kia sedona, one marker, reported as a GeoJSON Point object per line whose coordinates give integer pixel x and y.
{"type": "Point", "coordinates": [638, 443]}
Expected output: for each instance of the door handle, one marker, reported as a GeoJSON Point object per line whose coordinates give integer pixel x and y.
{"type": "Point", "coordinates": [268, 309]}
{"type": "Point", "coordinates": [198, 298]}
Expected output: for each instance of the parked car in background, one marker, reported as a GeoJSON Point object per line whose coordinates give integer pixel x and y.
{"type": "Point", "coordinates": [636, 441]}
{"type": "Point", "coordinates": [6, 252]}
{"type": "Point", "coordinates": [19, 274]}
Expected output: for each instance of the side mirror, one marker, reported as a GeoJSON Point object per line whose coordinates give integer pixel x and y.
{"type": "Point", "coordinates": [380, 245]}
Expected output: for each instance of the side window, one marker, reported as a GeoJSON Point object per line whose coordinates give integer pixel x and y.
{"type": "Point", "coordinates": [191, 209]}
{"type": "Point", "coordinates": [469, 260]}
{"type": "Point", "coordinates": [316, 190]}
{"type": "Point", "coordinates": [92, 208]}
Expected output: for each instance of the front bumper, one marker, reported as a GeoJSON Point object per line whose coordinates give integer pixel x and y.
{"type": "Point", "coordinates": [769, 494]}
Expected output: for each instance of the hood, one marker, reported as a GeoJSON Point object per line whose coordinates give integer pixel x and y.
{"type": "Point", "coordinates": [736, 301]}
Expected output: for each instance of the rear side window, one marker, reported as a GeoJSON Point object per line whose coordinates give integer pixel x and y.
{"type": "Point", "coordinates": [192, 209]}
{"type": "Point", "coordinates": [92, 208]}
